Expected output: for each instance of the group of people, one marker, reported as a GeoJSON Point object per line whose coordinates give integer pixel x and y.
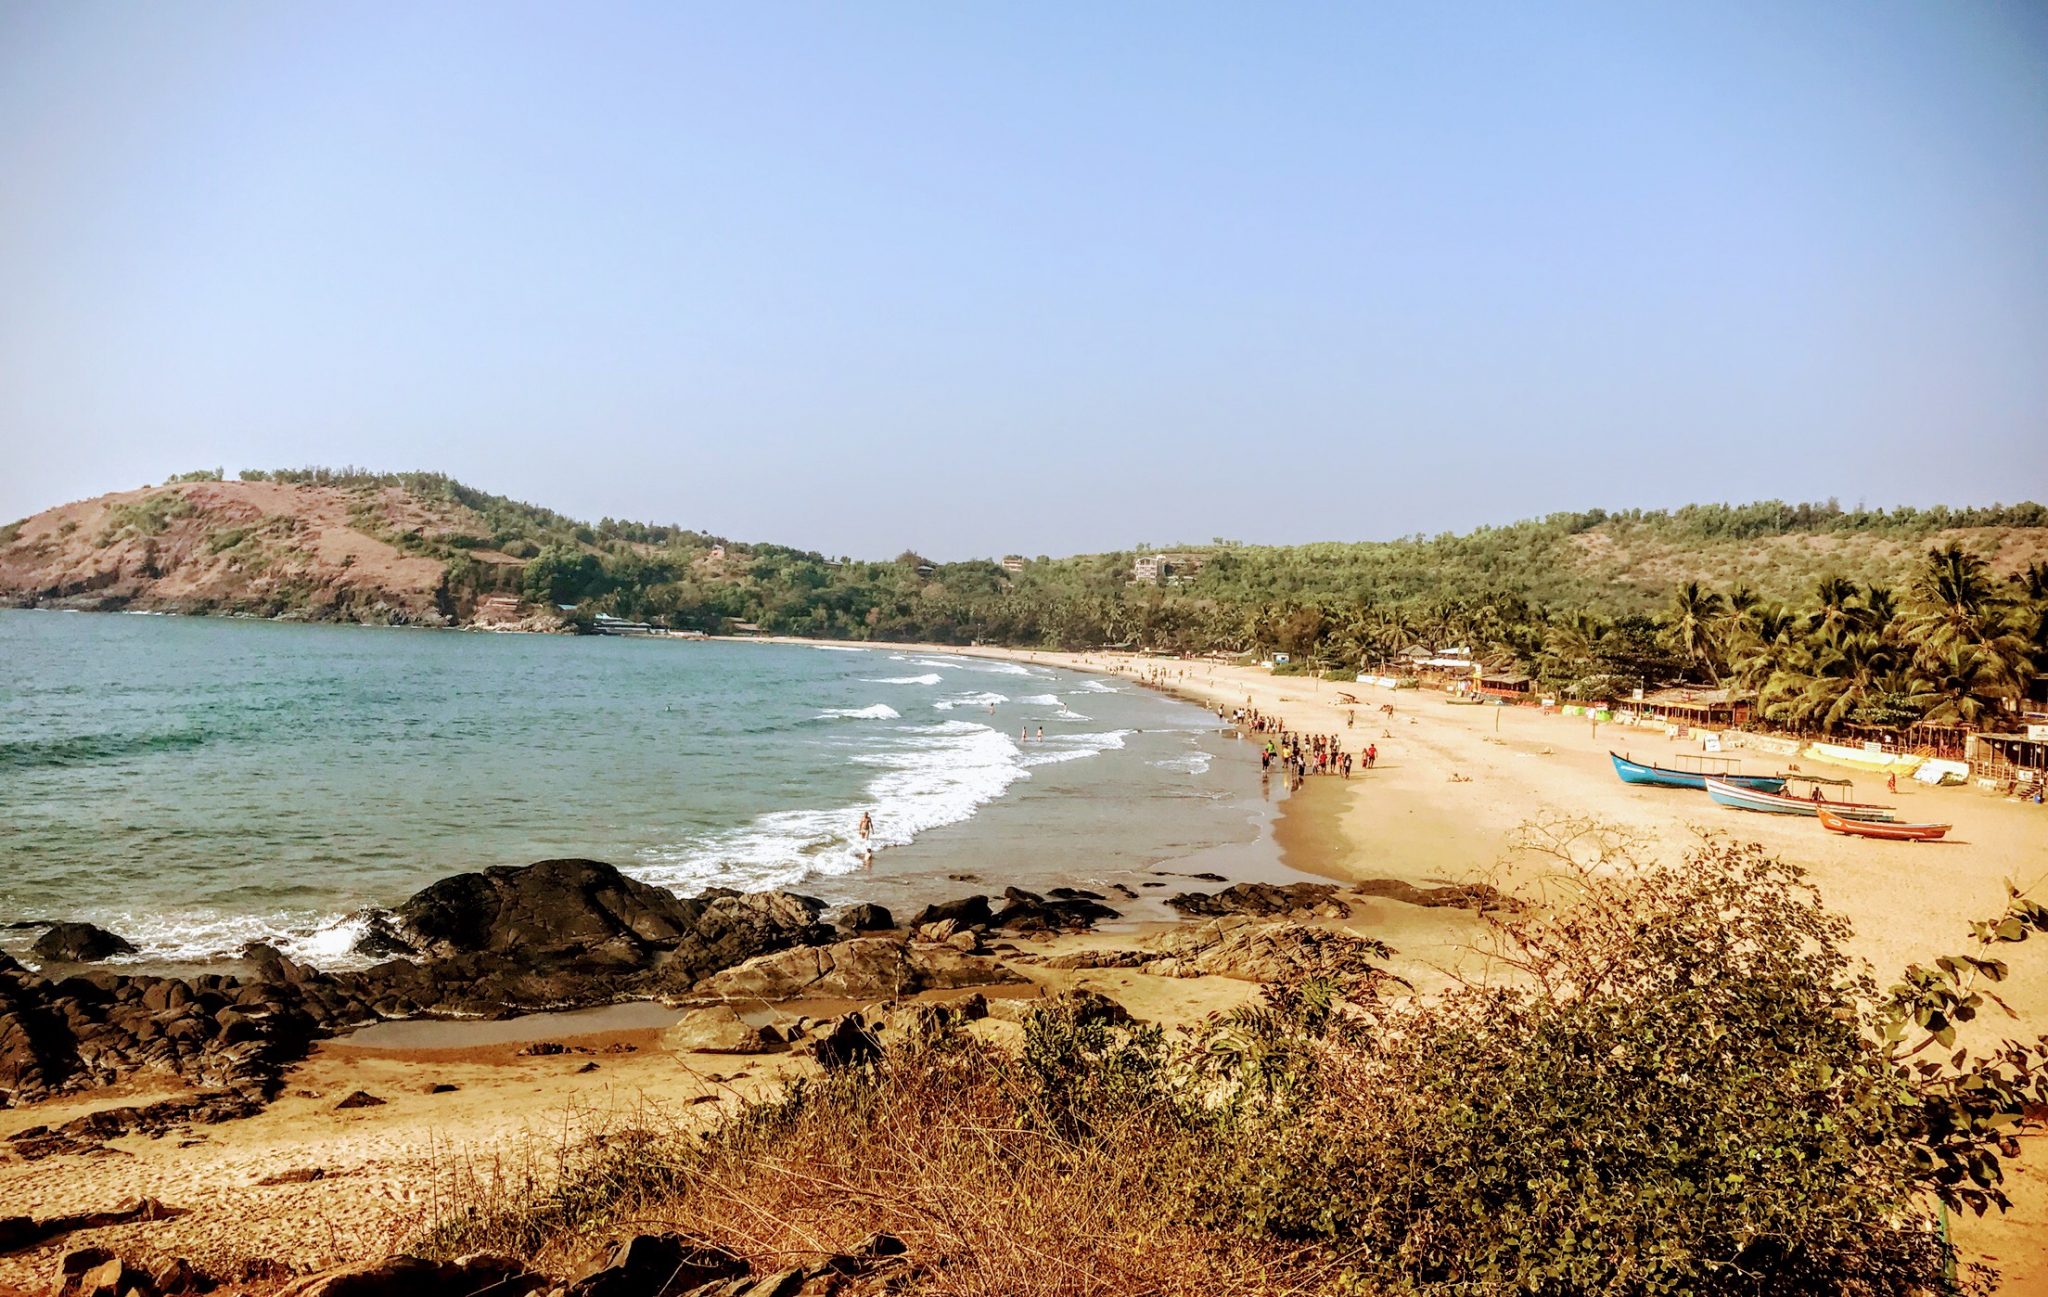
{"type": "Point", "coordinates": [1298, 756]}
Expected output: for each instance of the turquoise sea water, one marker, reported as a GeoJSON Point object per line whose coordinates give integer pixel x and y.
{"type": "Point", "coordinates": [196, 783]}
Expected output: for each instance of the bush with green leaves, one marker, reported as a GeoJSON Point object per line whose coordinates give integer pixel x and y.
{"type": "Point", "coordinates": [1673, 1080]}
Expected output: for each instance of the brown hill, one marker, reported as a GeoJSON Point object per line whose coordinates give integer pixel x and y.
{"type": "Point", "coordinates": [268, 548]}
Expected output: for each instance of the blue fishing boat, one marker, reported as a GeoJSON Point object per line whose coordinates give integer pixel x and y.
{"type": "Point", "coordinates": [1635, 772]}
{"type": "Point", "coordinates": [1744, 799]}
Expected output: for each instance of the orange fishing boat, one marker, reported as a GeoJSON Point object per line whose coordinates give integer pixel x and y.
{"type": "Point", "coordinates": [1834, 823]}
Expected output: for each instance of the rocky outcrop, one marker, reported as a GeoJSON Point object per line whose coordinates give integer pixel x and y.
{"type": "Point", "coordinates": [559, 934]}
{"type": "Point", "coordinates": [863, 969]}
{"type": "Point", "coordinates": [866, 917]}
{"type": "Point", "coordinates": [411, 1276]}
{"type": "Point", "coordinates": [1252, 951]}
{"type": "Point", "coordinates": [1464, 896]}
{"type": "Point", "coordinates": [581, 909]}
{"type": "Point", "coordinates": [1062, 909]}
{"type": "Point", "coordinates": [718, 1029]}
{"type": "Point", "coordinates": [966, 912]}
{"type": "Point", "coordinates": [79, 943]}
{"type": "Point", "coordinates": [94, 1029]}
{"type": "Point", "coordinates": [1265, 899]}
{"type": "Point", "coordinates": [564, 933]}
{"type": "Point", "coordinates": [672, 1265]}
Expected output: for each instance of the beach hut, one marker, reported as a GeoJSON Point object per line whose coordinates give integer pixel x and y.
{"type": "Point", "coordinates": [1695, 707]}
{"type": "Point", "coordinates": [2020, 760]}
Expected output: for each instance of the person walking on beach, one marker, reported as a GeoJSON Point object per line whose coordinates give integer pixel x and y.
{"type": "Point", "coordinates": [867, 825]}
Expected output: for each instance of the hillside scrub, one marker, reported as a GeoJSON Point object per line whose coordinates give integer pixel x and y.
{"type": "Point", "coordinates": [1947, 620]}
{"type": "Point", "coordinates": [1674, 1081]}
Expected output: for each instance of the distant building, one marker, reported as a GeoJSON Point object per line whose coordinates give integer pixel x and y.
{"type": "Point", "coordinates": [1165, 569]}
{"type": "Point", "coordinates": [717, 551]}
{"type": "Point", "coordinates": [498, 608]}
{"type": "Point", "coordinates": [607, 625]}
{"type": "Point", "coordinates": [1013, 563]}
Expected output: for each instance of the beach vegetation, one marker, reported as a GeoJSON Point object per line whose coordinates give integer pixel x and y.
{"type": "Point", "coordinates": [152, 515]}
{"type": "Point", "coordinates": [1671, 1078]}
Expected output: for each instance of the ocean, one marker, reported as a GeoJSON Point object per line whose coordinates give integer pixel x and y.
{"type": "Point", "coordinates": [196, 783]}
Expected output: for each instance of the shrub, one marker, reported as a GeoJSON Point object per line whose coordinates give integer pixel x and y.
{"type": "Point", "coordinates": [1673, 1081]}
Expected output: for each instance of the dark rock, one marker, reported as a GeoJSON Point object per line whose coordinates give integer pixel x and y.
{"type": "Point", "coordinates": [411, 1276]}
{"type": "Point", "coordinates": [441, 1087]}
{"type": "Point", "coordinates": [18, 1232]}
{"type": "Point", "coordinates": [583, 908]}
{"type": "Point", "coordinates": [177, 1277]}
{"type": "Point", "coordinates": [74, 1266]}
{"type": "Point", "coordinates": [360, 1099]}
{"type": "Point", "coordinates": [303, 1175]}
{"type": "Point", "coordinates": [846, 1043]}
{"type": "Point", "coordinates": [380, 937]}
{"type": "Point", "coordinates": [79, 943]}
{"type": "Point", "coordinates": [540, 1049]}
{"type": "Point", "coordinates": [587, 1067]}
{"type": "Point", "coordinates": [658, 1265]}
{"type": "Point", "coordinates": [866, 917]}
{"type": "Point", "coordinates": [1263, 899]}
{"type": "Point", "coordinates": [968, 912]}
{"type": "Point", "coordinates": [1065, 909]}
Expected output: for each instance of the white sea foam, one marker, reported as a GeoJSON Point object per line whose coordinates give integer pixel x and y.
{"type": "Point", "coordinates": [839, 648]}
{"type": "Point", "coordinates": [1040, 700]}
{"type": "Point", "coordinates": [876, 712]}
{"type": "Point", "coordinates": [1094, 686]}
{"type": "Point", "coordinates": [928, 678]}
{"type": "Point", "coordinates": [977, 699]}
{"type": "Point", "coordinates": [1195, 763]}
{"type": "Point", "coordinates": [930, 775]}
{"type": "Point", "coordinates": [1069, 714]}
{"type": "Point", "coordinates": [1073, 747]}
{"type": "Point", "coordinates": [200, 936]}
{"type": "Point", "coordinates": [983, 665]}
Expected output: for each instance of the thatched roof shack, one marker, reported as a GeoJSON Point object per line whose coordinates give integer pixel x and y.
{"type": "Point", "coordinates": [1714, 709]}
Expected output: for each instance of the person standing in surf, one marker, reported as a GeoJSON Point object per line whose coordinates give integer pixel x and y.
{"type": "Point", "coordinates": [867, 825]}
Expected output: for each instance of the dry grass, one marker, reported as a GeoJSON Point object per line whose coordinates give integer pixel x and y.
{"type": "Point", "coordinates": [927, 1145]}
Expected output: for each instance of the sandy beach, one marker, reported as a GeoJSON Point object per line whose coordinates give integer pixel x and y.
{"type": "Point", "coordinates": [1452, 787]}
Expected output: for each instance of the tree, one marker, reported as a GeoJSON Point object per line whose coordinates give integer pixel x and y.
{"type": "Point", "coordinates": [1693, 627]}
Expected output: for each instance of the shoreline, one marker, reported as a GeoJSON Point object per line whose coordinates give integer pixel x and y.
{"type": "Point", "coordinates": [1444, 804]}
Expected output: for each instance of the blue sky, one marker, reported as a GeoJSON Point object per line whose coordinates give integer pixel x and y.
{"type": "Point", "coordinates": [982, 278]}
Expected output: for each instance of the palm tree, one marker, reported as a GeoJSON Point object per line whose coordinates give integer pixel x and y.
{"type": "Point", "coordinates": [1963, 683]}
{"type": "Point", "coordinates": [1693, 627]}
{"type": "Point", "coordinates": [1834, 599]}
{"type": "Point", "coordinates": [1954, 598]}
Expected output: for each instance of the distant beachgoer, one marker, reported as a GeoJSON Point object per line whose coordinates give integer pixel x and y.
{"type": "Point", "coordinates": [1041, 734]}
{"type": "Point", "coordinates": [867, 825]}
{"type": "Point", "coordinates": [1891, 782]}
{"type": "Point", "coordinates": [867, 860]}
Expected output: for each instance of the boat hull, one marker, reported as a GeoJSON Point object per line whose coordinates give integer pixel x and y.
{"type": "Point", "coordinates": [1635, 772]}
{"type": "Point", "coordinates": [1834, 823]}
{"type": "Point", "coordinates": [1744, 799]}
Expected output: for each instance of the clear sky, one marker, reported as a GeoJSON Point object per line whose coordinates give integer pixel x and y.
{"type": "Point", "coordinates": [975, 278]}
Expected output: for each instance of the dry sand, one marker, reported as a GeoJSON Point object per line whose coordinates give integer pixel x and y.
{"type": "Point", "coordinates": [1408, 819]}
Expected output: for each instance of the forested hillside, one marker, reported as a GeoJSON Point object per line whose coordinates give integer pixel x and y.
{"type": "Point", "coordinates": [1828, 616]}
